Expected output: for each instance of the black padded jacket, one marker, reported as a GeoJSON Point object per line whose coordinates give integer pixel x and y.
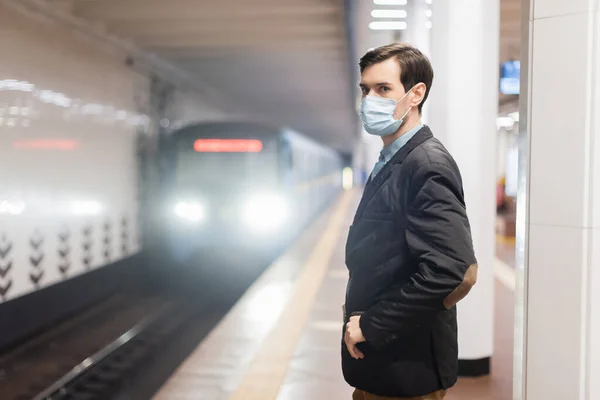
{"type": "Point", "coordinates": [410, 258]}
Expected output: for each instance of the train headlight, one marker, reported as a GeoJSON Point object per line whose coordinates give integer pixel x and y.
{"type": "Point", "coordinates": [265, 212]}
{"type": "Point", "coordinates": [190, 211]}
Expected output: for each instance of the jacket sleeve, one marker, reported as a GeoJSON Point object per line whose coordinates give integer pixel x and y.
{"type": "Point", "coordinates": [439, 241]}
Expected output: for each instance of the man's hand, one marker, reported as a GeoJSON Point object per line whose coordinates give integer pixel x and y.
{"type": "Point", "coordinates": [353, 336]}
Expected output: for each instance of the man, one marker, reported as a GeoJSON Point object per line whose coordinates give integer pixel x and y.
{"type": "Point", "coordinates": [409, 250]}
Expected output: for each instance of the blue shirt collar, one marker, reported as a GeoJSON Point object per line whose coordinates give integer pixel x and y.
{"type": "Point", "coordinates": [390, 150]}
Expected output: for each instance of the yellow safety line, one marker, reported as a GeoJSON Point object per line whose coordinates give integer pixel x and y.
{"type": "Point", "coordinates": [506, 239]}
{"type": "Point", "coordinates": [267, 371]}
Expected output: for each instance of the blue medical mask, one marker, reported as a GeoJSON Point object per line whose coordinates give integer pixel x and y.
{"type": "Point", "coordinates": [377, 115]}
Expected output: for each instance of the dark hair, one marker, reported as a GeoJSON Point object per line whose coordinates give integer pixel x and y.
{"type": "Point", "coordinates": [414, 65]}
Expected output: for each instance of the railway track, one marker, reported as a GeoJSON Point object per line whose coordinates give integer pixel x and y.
{"type": "Point", "coordinates": [76, 358]}
{"type": "Point", "coordinates": [99, 376]}
{"type": "Point", "coordinates": [107, 351]}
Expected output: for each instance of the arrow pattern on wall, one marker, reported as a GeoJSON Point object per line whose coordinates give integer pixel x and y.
{"type": "Point", "coordinates": [87, 247]}
{"type": "Point", "coordinates": [5, 266]}
{"type": "Point", "coordinates": [116, 243]}
{"type": "Point", "coordinates": [124, 236]}
{"type": "Point", "coordinates": [37, 255]}
{"type": "Point", "coordinates": [106, 241]}
{"type": "Point", "coordinates": [63, 252]}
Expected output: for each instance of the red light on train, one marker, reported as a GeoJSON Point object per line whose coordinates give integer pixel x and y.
{"type": "Point", "coordinates": [228, 145]}
{"type": "Point", "coordinates": [47, 144]}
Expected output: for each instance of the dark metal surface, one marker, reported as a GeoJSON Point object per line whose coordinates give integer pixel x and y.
{"type": "Point", "coordinates": [29, 368]}
{"type": "Point", "coordinates": [60, 387]}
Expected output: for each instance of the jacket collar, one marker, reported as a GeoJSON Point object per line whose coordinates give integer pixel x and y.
{"type": "Point", "coordinates": [374, 184]}
{"type": "Point", "coordinates": [422, 135]}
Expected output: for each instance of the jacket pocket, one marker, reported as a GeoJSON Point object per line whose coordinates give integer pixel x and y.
{"type": "Point", "coordinates": [378, 216]}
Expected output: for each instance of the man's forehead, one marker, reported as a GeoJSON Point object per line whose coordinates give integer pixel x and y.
{"type": "Point", "coordinates": [388, 70]}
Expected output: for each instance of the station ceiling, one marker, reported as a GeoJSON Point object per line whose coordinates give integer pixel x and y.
{"type": "Point", "coordinates": [285, 60]}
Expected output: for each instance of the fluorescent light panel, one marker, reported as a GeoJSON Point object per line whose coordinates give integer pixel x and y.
{"type": "Point", "coordinates": [388, 14]}
{"type": "Point", "coordinates": [390, 2]}
{"type": "Point", "coordinates": [387, 25]}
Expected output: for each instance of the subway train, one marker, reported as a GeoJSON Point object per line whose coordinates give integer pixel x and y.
{"type": "Point", "coordinates": [242, 188]}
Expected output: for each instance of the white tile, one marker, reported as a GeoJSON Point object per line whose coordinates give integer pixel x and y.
{"type": "Point", "coordinates": [559, 85]}
{"type": "Point", "coordinates": [554, 312]}
{"type": "Point", "coordinates": [594, 328]}
{"type": "Point", "coordinates": [595, 206]}
{"type": "Point", "coordinates": [554, 8]}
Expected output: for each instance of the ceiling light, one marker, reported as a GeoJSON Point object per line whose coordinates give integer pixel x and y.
{"type": "Point", "coordinates": [428, 24]}
{"type": "Point", "coordinates": [428, 13]}
{"type": "Point", "coordinates": [390, 2]}
{"type": "Point", "coordinates": [387, 25]}
{"type": "Point", "coordinates": [514, 116]}
{"type": "Point", "coordinates": [428, 1]}
{"type": "Point", "coordinates": [388, 14]}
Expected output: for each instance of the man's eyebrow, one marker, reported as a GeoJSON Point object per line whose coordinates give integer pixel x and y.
{"type": "Point", "coordinates": [376, 84]}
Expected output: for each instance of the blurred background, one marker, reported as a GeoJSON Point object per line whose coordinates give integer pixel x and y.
{"type": "Point", "coordinates": [157, 157]}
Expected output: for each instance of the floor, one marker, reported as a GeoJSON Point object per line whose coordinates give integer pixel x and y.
{"type": "Point", "coordinates": [290, 350]}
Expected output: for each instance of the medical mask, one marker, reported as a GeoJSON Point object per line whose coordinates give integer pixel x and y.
{"type": "Point", "coordinates": [377, 115]}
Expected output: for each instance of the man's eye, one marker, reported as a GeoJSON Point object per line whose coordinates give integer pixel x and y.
{"type": "Point", "coordinates": [385, 89]}
{"type": "Point", "coordinates": [365, 90]}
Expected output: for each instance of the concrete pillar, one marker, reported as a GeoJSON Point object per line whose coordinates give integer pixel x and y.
{"type": "Point", "coordinates": [366, 39]}
{"type": "Point", "coordinates": [419, 25]}
{"type": "Point", "coordinates": [418, 33]}
{"type": "Point", "coordinates": [558, 220]}
{"type": "Point", "coordinates": [463, 109]}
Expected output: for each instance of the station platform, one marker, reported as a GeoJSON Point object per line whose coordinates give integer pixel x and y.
{"type": "Point", "coordinates": [282, 338]}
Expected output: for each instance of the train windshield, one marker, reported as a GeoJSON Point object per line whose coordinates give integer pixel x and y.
{"type": "Point", "coordinates": [202, 167]}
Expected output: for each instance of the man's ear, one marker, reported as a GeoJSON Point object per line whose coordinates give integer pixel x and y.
{"type": "Point", "coordinates": [418, 94]}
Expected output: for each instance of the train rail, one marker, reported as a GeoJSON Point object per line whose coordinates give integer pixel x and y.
{"type": "Point", "coordinates": [98, 376]}
{"type": "Point", "coordinates": [108, 350]}
{"type": "Point", "coordinates": [39, 364]}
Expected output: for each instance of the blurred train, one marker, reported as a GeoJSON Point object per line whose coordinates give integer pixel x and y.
{"type": "Point", "coordinates": [243, 188]}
